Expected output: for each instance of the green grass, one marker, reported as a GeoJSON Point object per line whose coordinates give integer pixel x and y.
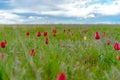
{"type": "Point", "coordinates": [80, 60]}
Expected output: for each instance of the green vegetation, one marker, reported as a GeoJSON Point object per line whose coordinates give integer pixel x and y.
{"type": "Point", "coordinates": [80, 59]}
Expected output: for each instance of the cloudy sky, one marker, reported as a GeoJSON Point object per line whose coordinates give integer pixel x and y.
{"type": "Point", "coordinates": [59, 11]}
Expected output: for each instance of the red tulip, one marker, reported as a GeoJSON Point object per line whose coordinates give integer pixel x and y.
{"type": "Point", "coordinates": [45, 33]}
{"type": "Point", "coordinates": [118, 57]}
{"type": "Point", "coordinates": [62, 76]}
{"type": "Point", "coordinates": [32, 52]}
{"type": "Point", "coordinates": [39, 34]}
{"type": "Point", "coordinates": [54, 31]}
{"type": "Point", "coordinates": [108, 42]}
{"type": "Point", "coordinates": [54, 34]}
{"type": "Point", "coordinates": [27, 33]}
{"type": "Point", "coordinates": [116, 46]}
{"type": "Point", "coordinates": [97, 35]}
{"type": "Point", "coordinates": [2, 44]}
{"type": "Point", "coordinates": [46, 41]}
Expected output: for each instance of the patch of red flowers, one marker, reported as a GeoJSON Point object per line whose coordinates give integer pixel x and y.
{"type": "Point", "coordinates": [97, 35]}
{"type": "Point", "coordinates": [39, 34]}
{"type": "Point", "coordinates": [116, 46]}
{"type": "Point", "coordinates": [32, 52]}
{"type": "Point", "coordinates": [62, 76]}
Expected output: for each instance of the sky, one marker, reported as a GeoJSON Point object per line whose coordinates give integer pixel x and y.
{"type": "Point", "coordinates": [59, 11]}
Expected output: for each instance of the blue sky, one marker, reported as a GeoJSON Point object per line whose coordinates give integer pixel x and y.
{"type": "Point", "coordinates": [59, 11]}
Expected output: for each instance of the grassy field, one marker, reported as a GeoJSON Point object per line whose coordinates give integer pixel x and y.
{"type": "Point", "coordinates": [69, 52]}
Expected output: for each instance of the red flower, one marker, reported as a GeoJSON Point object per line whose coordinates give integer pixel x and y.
{"type": "Point", "coordinates": [27, 33]}
{"type": "Point", "coordinates": [32, 52]}
{"type": "Point", "coordinates": [2, 44]}
{"type": "Point", "coordinates": [97, 35]}
{"type": "Point", "coordinates": [39, 34]}
{"type": "Point", "coordinates": [108, 42]}
{"type": "Point", "coordinates": [45, 33]}
{"type": "Point", "coordinates": [54, 31]}
{"type": "Point", "coordinates": [54, 34]}
{"type": "Point", "coordinates": [116, 46]}
{"type": "Point", "coordinates": [46, 41]}
{"type": "Point", "coordinates": [61, 76]}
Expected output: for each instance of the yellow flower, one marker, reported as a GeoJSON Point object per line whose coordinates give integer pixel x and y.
{"type": "Point", "coordinates": [85, 38]}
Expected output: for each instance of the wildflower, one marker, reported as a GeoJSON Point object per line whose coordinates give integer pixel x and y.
{"type": "Point", "coordinates": [61, 76]}
{"type": "Point", "coordinates": [116, 46]}
{"type": "Point", "coordinates": [2, 44]}
{"type": "Point", "coordinates": [45, 33]}
{"type": "Point", "coordinates": [38, 34]}
{"type": "Point", "coordinates": [27, 33]}
{"type": "Point", "coordinates": [46, 41]}
{"type": "Point", "coordinates": [97, 35]}
{"type": "Point", "coordinates": [32, 52]}
{"type": "Point", "coordinates": [85, 38]}
{"type": "Point", "coordinates": [54, 34]}
{"type": "Point", "coordinates": [54, 31]}
{"type": "Point", "coordinates": [108, 42]}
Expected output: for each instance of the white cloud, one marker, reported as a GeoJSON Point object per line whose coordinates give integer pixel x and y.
{"type": "Point", "coordinates": [62, 8]}
{"type": "Point", "coordinates": [7, 17]}
{"type": "Point", "coordinates": [108, 9]}
{"type": "Point", "coordinates": [68, 8]}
